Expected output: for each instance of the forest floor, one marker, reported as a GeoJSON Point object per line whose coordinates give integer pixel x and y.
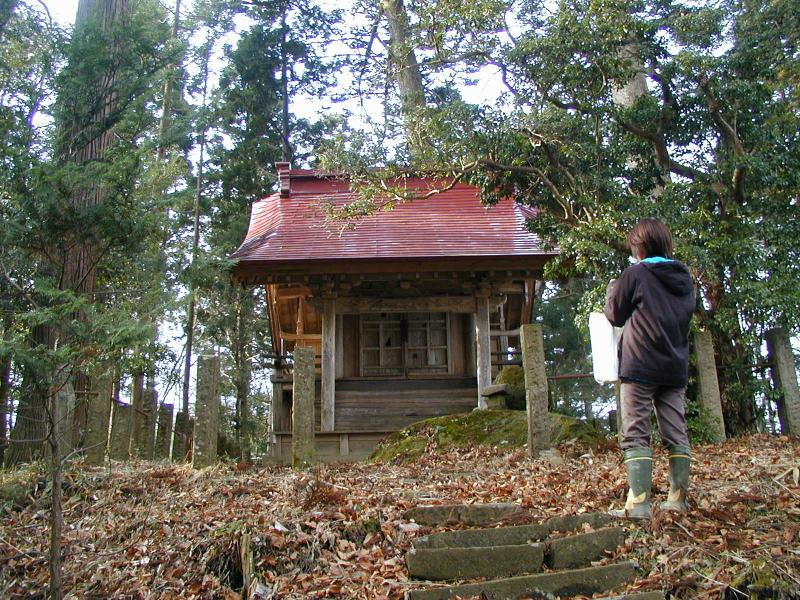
{"type": "Point", "coordinates": [143, 530]}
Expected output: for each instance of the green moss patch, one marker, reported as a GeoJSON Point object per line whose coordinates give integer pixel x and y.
{"type": "Point", "coordinates": [514, 376]}
{"type": "Point", "coordinates": [499, 428]}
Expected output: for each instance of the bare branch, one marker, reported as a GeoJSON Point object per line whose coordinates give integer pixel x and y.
{"type": "Point", "coordinates": [726, 128]}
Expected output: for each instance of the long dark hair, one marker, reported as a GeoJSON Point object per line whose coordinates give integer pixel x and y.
{"type": "Point", "coordinates": [650, 237]}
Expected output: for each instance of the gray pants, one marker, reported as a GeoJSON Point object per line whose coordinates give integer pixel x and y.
{"type": "Point", "coordinates": [638, 401]}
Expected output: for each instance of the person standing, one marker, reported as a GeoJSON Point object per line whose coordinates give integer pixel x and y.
{"type": "Point", "coordinates": [654, 300]}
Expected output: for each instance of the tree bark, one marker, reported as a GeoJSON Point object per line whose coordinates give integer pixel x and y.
{"type": "Point", "coordinates": [26, 442]}
{"type": "Point", "coordinates": [5, 389]}
{"type": "Point", "coordinates": [243, 369]}
{"type": "Point", "coordinates": [406, 70]}
{"type": "Point", "coordinates": [56, 517]}
{"type": "Point", "coordinates": [166, 107]}
{"type": "Point", "coordinates": [286, 152]}
{"type": "Point", "coordinates": [190, 318]}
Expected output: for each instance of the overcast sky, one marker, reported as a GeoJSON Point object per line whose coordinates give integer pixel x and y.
{"type": "Point", "coordinates": [62, 11]}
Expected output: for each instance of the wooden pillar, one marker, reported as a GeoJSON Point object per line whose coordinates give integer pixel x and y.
{"type": "Point", "coordinates": [97, 419]}
{"type": "Point", "coordinates": [328, 400]}
{"type": "Point", "coordinates": [275, 411]}
{"type": "Point", "coordinates": [339, 346]}
{"type": "Point", "coordinates": [708, 383]}
{"type": "Point", "coordinates": [484, 356]}
{"type": "Point", "coordinates": [206, 409]}
{"type": "Point", "coordinates": [532, 342]}
{"type": "Point", "coordinates": [120, 431]}
{"type": "Point", "coordinates": [471, 358]}
{"type": "Point", "coordinates": [303, 407]}
{"type": "Point", "coordinates": [784, 377]}
{"type": "Point", "coordinates": [164, 435]}
{"type": "Point", "coordinates": [503, 336]}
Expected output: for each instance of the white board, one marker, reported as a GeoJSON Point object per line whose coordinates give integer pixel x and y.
{"type": "Point", "coordinates": [604, 338]}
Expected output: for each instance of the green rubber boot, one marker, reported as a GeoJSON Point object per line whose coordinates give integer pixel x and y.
{"type": "Point", "coordinates": [639, 465]}
{"type": "Point", "coordinates": [679, 461]}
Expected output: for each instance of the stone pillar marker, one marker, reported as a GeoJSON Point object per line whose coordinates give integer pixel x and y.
{"type": "Point", "coordinates": [182, 435]}
{"type": "Point", "coordinates": [484, 356]}
{"type": "Point", "coordinates": [120, 432]}
{"type": "Point", "coordinates": [303, 408]}
{"type": "Point", "coordinates": [204, 453]}
{"type": "Point", "coordinates": [150, 405]}
{"type": "Point", "coordinates": [97, 419]}
{"type": "Point", "coordinates": [164, 435]}
{"type": "Point", "coordinates": [708, 383]}
{"type": "Point", "coordinates": [784, 377]}
{"type": "Point", "coordinates": [533, 365]}
{"type": "Point", "coordinates": [138, 442]}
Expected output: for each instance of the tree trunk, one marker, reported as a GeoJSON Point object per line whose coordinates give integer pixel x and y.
{"type": "Point", "coordinates": [286, 152]}
{"type": "Point", "coordinates": [627, 95]}
{"type": "Point", "coordinates": [166, 107]}
{"type": "Point", "coordinates": [5, 389]}
{"type": "Point", "coordinates": [27, 439]}
{"type": "Point", "coordinates": [56, 517]}
{"type": "Point", "coordinates": [242, 365]}
{"type": "Point", "coordinates": [82, 143]}
{"type": "Point", "coordinates": [187, 367]}
{"type": "Point", "coordinates": [406, 70]}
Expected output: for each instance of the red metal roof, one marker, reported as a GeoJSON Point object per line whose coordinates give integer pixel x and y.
{"type": "Point", "coordinates": [453, 223]}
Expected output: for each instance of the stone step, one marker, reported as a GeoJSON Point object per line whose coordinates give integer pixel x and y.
{"type": "Point", "coordinates": [510, 536]}
{"type": "Point", "coordinates": [564, 583]}
{"type": "Point", "coordinates": [468, 514]}
{"type": "Point", "coordinates": [506, 561]}
{"type": "Point", "coordinates": [580, 550]}
{"type": "Point", "coordinates": [639, 596]}
{"type": "Point", "coordinates": [468, 563]}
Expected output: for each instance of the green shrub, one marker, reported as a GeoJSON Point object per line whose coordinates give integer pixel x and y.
{"type": "Point", "coordinates": [699, 423]}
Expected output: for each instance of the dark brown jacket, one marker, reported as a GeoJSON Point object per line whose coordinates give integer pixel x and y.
{"type": "Point", "coordinates": [655, 302]}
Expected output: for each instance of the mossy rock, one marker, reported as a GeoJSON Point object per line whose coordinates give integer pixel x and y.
{"type": "Point", "coordinates": [19, 486]}
{"type": "Point", "coordinates": [568, 428]}
{"type": "Point", "coordinates": [498, 428]}
{"type": "Point", "coordinates": [15, 494]}
{"type": "Point", "coordinates": [514, 376]}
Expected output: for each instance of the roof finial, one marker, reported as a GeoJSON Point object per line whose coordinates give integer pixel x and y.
{"type": "Point", "coordinates": [284, 178]}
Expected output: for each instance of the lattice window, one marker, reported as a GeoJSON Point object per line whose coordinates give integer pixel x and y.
{"type": "Point", "coordinates": [402, 344]}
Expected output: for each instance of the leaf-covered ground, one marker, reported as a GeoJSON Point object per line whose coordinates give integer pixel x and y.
{"type": "Point", "coordinates": [162, 531]}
